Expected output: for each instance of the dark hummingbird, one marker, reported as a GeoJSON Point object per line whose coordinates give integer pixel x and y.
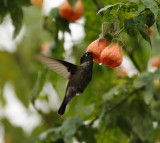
{"type": "Point", "coordinates": [78, 76]}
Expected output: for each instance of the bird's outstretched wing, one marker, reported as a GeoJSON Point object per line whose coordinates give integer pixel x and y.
{"type": "Point", "coordinates": [63, 68]}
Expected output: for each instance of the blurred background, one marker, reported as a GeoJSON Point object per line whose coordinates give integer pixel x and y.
{"type": "Point", "coordinates": [120, 105]}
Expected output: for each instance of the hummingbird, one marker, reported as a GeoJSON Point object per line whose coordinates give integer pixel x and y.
{"type": "Point", "coordinates": [79, 76]}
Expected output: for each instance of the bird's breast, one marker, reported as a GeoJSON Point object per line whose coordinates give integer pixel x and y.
{"type": "Point", "coordinates": [80, 79]}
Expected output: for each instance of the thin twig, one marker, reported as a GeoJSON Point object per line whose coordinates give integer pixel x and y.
{"type": "Point", "coordinates": [116, 34]}
{"type": "Point", "coordinates": [124, 99]}
{"type": "Point", "coordinates": [118, 104]}
{"type": "Point", "coordinates": [99, 6]}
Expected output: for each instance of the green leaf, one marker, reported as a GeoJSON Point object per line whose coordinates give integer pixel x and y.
{"type": "Point", "coordinates": [70, 125]}
{"type": "Point", "coordinates": [141, 119]}
{"type": "Point", "coordinates": [53, 26]}
{"type": "Point", "coordinates": [135, 139]}
{"type": "Point", "coordinates": [124, 15]}
{"type": "Point", "coordinates": [150, 18]}
{"type": "Point", "coordinates": [49, 25]}
{"type": "Point", "coordinates": [156, 110]}
{"type": "Point", "coordinates": [39, 84]}
{"type": "Point", "coordinates": [62, 24]}
{"type": "Point", "coordinates": [108, 29]}
{"type": "Point", "coordinates": [3, 11]}
{"type": "Point", "coordinates": [110, 94]}
{"type": "Point", "coordinates": [90, 132]}
{"type": "Point", "coordinates": [148, 93]}
{"type": "Point", "coordinates": [105, 8]}
{"type": "Point", "coordinates": [131, 26]}
{"type": "Point", "coordinates": [156, 74]}
{"type": "Point", "coordinates": [54, 13]}
{"type": "Point", "coordinates": [129, 7]}
{"type": "Point", "coordinates": [109, 6]}
{"type": "Point", "coordinates": [143, 30]}
{"type": "Point", "coordinates": [135, 25]}
{"type": "Point", "coordinates": [14, 8]}
{"type": "Point", "coordinates": [151, 4]}
{"type": "Point", "coordinates": [17, 17]}
{"type": "Point", "coordinates": [111, 135]}
{"type": "Point", "coordinates": [87, 110]}
{"type": "Point", "coordinates": [158, 22]}
{"type": "Point", "coordinates": [22, 91]}
{"type": "Point", "coordinates": [146, 79]}
{"type": "Point", "coordinates": [124, 125]}
{"type": "Point", "coordinates": [66, 131]}
{"type": "Point", "coordinates": [142, 79]}
{"type": "Point", "coordinates": [16, 133]}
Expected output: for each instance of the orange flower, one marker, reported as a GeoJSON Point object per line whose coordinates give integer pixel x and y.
{"type": "Point", "coordinates": [111, 56]}
{"type": "Point", "coordinates": [96, 48]}
{"type": "Point", "coordinates": [156, 61]}
{"type": "Point", "coordinates": [68, 13]}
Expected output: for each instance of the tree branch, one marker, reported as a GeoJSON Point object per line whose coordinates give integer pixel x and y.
{"type": "Point", "coordinates": [118, 104]}
{"type": "Point", "coordinates": [124, 99]}
{"type": "Point", "coordinates": [116, 34]}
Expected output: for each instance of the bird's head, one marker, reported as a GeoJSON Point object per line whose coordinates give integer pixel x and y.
{"type": "Point", "coordinates": [86, 57]}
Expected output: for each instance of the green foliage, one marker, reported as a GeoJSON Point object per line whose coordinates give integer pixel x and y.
{"type": "Point", "coordinates": [158, 22]}
{"type": "Point", "coordinates": [14, 134]}
{"type": "Point", "coordinates": [60, 23]}
{"type": "Point", "coordinates": [134, 22]}
{"type": "Point", "coordinates": [151, 4]}
{"type": "Point", "coordinates": [39, 85]}
{"type": "Point", "coordinates": [112, 108]}
{"type": "Point", "coordinates": [139, 26]}
{"type": "Point", "coordinates": [120, 6]}
{"type": "Point", "coordinates": [53, 26]}
{"type": "Point", "coordinates": [14, 8]}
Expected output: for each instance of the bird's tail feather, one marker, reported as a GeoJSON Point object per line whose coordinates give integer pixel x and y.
{"type": "Point", "coordinates": [66, 100]}
{"type": "Point", "coordinates": [62, 107]}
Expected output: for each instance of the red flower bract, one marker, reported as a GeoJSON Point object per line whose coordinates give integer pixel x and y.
{"type": "Point", "coordinates": [96, 48]}
{"type": "Point", "coordinates": [111, 56]}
